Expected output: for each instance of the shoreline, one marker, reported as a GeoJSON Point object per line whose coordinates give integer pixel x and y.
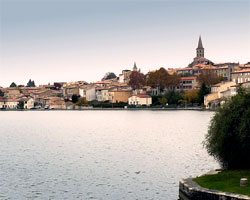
{"type": "Point", "coordinates": [114, 109]}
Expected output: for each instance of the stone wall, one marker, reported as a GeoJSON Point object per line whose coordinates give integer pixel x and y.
{"type": "Point", "coordinates": [190, 190]}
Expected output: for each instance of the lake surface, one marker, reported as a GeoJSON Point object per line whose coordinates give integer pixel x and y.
{"type": "Point", "coordinates": [100, 154]}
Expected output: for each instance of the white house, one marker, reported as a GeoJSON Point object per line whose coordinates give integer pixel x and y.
{"type": "Point", "coordinates": [28, 103]}
{"type": "Point", "coordinates": [140, 99]}
{"type": "Point", "coordinates": [8, 103]}
{"type": "Point", "coordinates": [88, 91]}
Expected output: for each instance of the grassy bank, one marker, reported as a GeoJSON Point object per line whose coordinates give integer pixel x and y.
{"type": "Point", "coordinates": [226, 181]}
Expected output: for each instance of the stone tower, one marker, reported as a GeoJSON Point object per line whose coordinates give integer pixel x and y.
{"type": "Point", "coordinates": [135, 67]}
{"type": "Point", "coordinates": [200, 49]}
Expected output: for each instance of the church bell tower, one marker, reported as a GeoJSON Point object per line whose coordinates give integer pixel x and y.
{"type": "Point", "coordinates": [200, 49]}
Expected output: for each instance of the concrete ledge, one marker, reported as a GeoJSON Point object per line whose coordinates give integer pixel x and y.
{"type": "Point", "coordinates": [190, 190]}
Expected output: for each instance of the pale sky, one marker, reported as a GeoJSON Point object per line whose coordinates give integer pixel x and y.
{"type": "Point", "coordinates": [70, 40]}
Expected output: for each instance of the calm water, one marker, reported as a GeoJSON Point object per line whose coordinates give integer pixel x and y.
{"type": "Point", "coordinates": [100, 154]}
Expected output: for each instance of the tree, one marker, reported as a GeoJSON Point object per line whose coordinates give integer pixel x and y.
{"type": "Point", "coordinates": [81, 101]}
{"type": "Point", "coordinates": [228, 137]}
{"type": "Point", "coordinates": [202, 92]}
{"type": "Point", "coordinates": [174, 97]}
{"type": "Point", "coordinates": [137, 80]}
{"type": "Point", "coordinates": [31, 84]}
{"type": "Point", "coordinates": [163, 101]}
{"type": "Point", "coordinates": [74, 98]}
{"type": "Point", "coordinates": [1, 93]}
{"type": "Point", "coordinates": [20, 105]}
{"type": "Point", "coordinates": [13, 84]}
{"type": "Point", "coordinates": [158, 78]}
{"type": "Point", "coordinates": [162, 79]}
{"type": "Point", "coordinates": [109, 75]}
{"type": "Point", "coordinates": [192, 96]}
{"type": "Point", "coordinates": [209, 77]}
{"type": "Point", "coordinates": [173, 81]}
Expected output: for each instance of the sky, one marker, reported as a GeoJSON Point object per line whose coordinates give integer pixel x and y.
{"type": "Point", "coordinates": [71, 40]}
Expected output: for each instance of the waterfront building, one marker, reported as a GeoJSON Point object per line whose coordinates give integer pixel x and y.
{"type": "Point", "coordinates": [140, 99]}
{"type": "Point", "coordinates": [117, 95]}
{"type": "Point", "coordinates": [8, 103]}
{"type": "Point", "coordinates": [88, 92]}
{"type": "Point", "coordinates": [219, 94]}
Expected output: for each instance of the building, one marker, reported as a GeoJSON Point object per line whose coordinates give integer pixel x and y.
{"type": "Point", "coordinates": [12, 92]}
{"type": "Point", "coordinates": [102, 94]}
{"type": "Point", "coordinates": [88, 92]}
{"type": "Point", "coordinates": [188, 83]}
{"type": "Point", "coordinates": [140, 99]}
{"type": "Point", "coordinates": [70, 90]}
{"type": "Point", "coordinates": [117, 95]}
{"type": "Point", "coordinates": [28, 102]}
{"type": "Point", "coordinates": [219, 93]}
{"type": "Point", "coordinates": [8, 103]}
{"type": "Point", "coordinates": [200, 56]}
{"type": "Point", "coordinates": [241, 76]}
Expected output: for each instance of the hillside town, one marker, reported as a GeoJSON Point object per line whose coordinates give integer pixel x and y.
{"type": "Point", "coordinates": [202, 83]}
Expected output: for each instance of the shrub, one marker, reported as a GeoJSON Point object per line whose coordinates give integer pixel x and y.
{"type": "Point", "coordinates": [228, 137]}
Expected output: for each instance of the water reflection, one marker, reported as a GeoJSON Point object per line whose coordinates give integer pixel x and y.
{"type": "Point", "coordinates": [100, 154]}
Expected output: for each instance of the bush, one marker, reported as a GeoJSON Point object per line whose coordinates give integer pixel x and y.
{"type": "Point", "coordinates": [228, 137]}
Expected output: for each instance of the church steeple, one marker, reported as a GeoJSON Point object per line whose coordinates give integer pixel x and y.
{"type": "Point", "coordinates": [135, 67]}
{"type": "Point", "coordinates": [200, 49]}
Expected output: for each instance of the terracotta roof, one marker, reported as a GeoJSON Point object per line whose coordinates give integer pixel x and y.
{"type": "Point", "coordinates": [189, 78]}
{"type": "Point", "coordinates": [241, 71]}
{"type": "Point", "coordinates": [185, 69]}
{"type": "Point", "coordinates": [143, 96]}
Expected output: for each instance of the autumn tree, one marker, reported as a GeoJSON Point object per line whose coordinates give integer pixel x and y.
{"type": "Point", "coordinates": [81, 101]}
{"type": "Point", "coordinates": [158, 78]}
{"type": "Point", "coordinates": [191, 96]}
{"type": "Point", "coordinates": [162, 79]}
{"type": "Point", "coordinates": [209, 77]}
{"type": "Point", "coordinates": [174, 80]}
{"type": "Point", "coordinates": [163, 101]}
{"type": "Point", "coordinates": [137, 80]}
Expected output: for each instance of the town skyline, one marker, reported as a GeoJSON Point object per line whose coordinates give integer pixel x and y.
{"type": "Point", "coordinates": [83, 41]}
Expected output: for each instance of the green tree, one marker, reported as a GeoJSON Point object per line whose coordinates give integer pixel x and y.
{"type": "Point", "coordinates": [163, 101]}
{"type": "Point", "coordinates": [1, 93]}
{"type": "Point", "coordinates": [174, 97]}
{"type": "Point", "coordinates": [13, 84]}
{"type": "Point", "coordinates": [228, 137]}
{"type": "Point", "coordinates": [31, 84]}
{"type": "Point", "coordinates": [74, 98]}
{"type": "Point", "coordinates": [20, 105]}
{"type": "Point", "coordinates": [202, 92]}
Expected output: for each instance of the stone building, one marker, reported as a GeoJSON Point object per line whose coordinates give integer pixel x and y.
{"type": "Point", "coordinates": [241, 76]}
{"type": "Point", "coordinates": [200, 56]}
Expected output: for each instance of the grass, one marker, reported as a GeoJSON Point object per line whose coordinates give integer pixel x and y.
{"type": "Point", "coordinates": [226, 181]}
